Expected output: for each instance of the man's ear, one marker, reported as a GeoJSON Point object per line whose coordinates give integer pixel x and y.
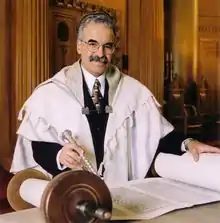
{"type": "Point", "coordinates": [78, 46]}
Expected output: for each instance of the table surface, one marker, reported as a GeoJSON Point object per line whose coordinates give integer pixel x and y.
{"type": "Point", "coordinates": [209, 213]}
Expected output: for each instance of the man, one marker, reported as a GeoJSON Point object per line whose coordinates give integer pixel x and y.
{"type": "Point", "coordinates": [113, 118]}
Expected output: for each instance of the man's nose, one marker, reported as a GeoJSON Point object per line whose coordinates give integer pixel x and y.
{"type": "Point", "coordinates": [100, 52]}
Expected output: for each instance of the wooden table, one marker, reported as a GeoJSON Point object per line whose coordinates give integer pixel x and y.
{"type": "Point", "coordinates": [209, 213]}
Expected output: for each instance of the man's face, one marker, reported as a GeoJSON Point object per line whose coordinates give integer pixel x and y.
{"type": "Point", "coordinates": [96, 42]}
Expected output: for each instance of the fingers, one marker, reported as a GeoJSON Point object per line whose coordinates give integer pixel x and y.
{"type": "Point", "coordinates": [70, 155]}
{"type": "Point", "coordinates": [209, 149]}
{"type": "Point", "coordinates": [73, 155]}
{"type": "Point", "coordinates": [195, 154]}
{"type": "Point", "coordinates": [214, 149]}
{"type": "Point", "coordinates": [197, 148]}
{"type": "Point", "coordinates": [71, 163]}
{"type": "Point", "coordinates": [74, 147]}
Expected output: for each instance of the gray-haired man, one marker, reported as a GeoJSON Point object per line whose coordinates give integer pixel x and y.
{"type": "Point", "coordinates": [114, 119]}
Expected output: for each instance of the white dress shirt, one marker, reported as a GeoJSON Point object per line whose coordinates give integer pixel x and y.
{"type": "Point", "coordinates": [90, 80]}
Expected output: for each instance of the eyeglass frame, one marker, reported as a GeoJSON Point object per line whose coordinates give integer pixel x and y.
{"type": "Point", "coordinates": [98, 46]}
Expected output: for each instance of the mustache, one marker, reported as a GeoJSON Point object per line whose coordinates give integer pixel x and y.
{"type": "Point", "coordinates": [96, 58]}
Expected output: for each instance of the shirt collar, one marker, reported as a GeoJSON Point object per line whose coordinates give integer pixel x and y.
{"type": "Point", "coordinates": [90, 80]}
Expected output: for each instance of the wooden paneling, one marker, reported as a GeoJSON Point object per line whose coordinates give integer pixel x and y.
{"type": "Point", "coordinates": [209, 47]}
{"type": "Point", "coordinates": [133, 36]}
{"type": "Point", "coordinates": [184, 23]}
{"type": "Point", "coordinates": [31, 43]}
{"type": "Point", "coordinates": [209, 27]}
{"type": "Point", "coordinates": [5, 149]}
{"type": "Point", "coordinates": [145, 43]}
{"type": "Point", "coordinates": [209, 8]}
{"type": "Point", "coordinates": [209, 61]}
{"type": "Point", "coordinates": [63, 52]}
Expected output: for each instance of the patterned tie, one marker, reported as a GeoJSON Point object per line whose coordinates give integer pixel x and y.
{"type": "Point", "coordinates": [96, 95]}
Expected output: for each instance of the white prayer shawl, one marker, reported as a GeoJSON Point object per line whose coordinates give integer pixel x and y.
{"type": "Point", "coordinates": [133, 130]}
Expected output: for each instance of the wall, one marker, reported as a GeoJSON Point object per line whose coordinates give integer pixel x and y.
{"type": "Point", "coordinates": [209, 46]}
{"type": "Point", "coordinates": [145, 44]}
{"type": "Point", "coordinates": [4, 86]}
{"type": "Point", "coordinates": [183, 39]}
{"type": "Point", "coordinates": [209, 8]}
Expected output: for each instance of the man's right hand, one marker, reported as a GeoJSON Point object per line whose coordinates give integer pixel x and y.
{"type": "Point", "coordinates": [70, 155]}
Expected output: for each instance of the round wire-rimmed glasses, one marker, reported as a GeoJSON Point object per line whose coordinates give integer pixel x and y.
{"type": "Point", "coordinates": [93, 46]}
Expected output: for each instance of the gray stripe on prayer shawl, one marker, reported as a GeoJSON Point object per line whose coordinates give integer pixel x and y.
{"type": "Point", "coordinates": [53, 132]}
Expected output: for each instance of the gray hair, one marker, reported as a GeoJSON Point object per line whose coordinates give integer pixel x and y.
{"type": "Point", "coordinates": [97, 17]}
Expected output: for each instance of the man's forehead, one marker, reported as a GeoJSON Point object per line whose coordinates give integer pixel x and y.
{"type": "Point", "coordinates": [98, 32]}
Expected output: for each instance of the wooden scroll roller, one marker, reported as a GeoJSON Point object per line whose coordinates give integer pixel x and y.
{"type": "Point", "coordinates": [75, 196]}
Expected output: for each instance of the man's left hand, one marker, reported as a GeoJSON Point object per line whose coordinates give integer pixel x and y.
{"type": "Point", "coordinates": [196, 148]}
